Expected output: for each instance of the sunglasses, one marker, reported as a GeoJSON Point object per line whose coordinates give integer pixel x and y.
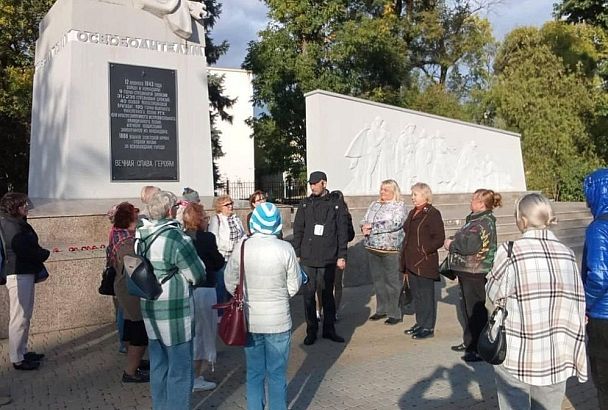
{"type": "Point", "coordinates": [229, 204]}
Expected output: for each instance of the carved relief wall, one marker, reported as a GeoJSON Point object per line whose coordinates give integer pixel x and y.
{"type": "Point", "coordinates": [384, 142]}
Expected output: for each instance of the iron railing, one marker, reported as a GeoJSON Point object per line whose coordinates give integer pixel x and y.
{"type": "Point", "coordinates": [287, 192]}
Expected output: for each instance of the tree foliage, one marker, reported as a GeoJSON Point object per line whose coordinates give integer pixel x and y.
{"type": "Point", "coordinates": [552, 101]}
{"type": "Point", "coordinates": [593, 12]}
{"type": "Point", "coordinates": [391, 51]}
{"type": "Point", "coordinates": [18, 31]}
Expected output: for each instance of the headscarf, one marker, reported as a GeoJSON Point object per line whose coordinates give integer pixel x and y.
{"type": "Point", "coordinates": [266, 219]}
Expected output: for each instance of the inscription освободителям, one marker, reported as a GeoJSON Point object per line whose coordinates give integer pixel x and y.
{"type": "Point", "coordinates": [143, 123]}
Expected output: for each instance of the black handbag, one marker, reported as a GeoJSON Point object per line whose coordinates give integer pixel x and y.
{"type": "Point", "coordinates": [405, 299]}
{"type": "Point", "coordinates": [492, 343]}
{"type": "Point", "coordinates": [107, 281]}
{"type": "Point", "coordinates": [445, 269]}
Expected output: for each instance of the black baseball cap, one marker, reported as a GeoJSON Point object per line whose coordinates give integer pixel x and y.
{"type": "Point", "coordinates": [316, 177]}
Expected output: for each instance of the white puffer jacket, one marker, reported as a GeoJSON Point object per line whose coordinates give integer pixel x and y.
{"type": "Point", "coordinates": [272, 277]}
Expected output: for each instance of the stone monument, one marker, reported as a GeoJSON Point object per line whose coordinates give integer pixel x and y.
{"type": "Point", "coordinates": [120, 100]}
{"type": "Point", "coordinates": [360, 143]}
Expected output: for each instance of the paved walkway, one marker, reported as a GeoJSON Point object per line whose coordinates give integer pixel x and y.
{"type": "Point", "coordinates": [378, 368]}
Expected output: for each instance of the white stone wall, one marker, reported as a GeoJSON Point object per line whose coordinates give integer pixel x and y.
{"type": "Point", "coordinates": [359, 143]}
{"type": "Point", "coordinates": [70, 141]}
{"type": "Point", "coordinates": [237, 164]}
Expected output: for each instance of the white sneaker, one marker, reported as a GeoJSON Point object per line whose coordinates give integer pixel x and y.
{"type": "Point", "coordinates": [200, 384]}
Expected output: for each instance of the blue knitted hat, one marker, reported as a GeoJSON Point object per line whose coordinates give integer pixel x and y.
{"type": "Point", "coordinates": [266, 219]}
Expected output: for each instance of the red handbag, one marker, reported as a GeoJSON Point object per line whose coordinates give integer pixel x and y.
{"type": "Point", "coordinates": [233, 325]}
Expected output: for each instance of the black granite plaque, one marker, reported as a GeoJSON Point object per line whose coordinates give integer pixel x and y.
{"type": "Point", "coordinates": [143, 123]}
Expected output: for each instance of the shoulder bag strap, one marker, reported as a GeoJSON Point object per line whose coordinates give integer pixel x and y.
{"type": "Point", "coordinates": [239, 289]}
{"type": "Point", "coordinates": [509, 254]}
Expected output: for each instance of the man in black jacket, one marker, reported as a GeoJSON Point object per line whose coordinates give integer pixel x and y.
{"type": "Point", "coordinates": [320, 238]}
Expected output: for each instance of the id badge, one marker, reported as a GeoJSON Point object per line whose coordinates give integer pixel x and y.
{"type": "Point", "coordinates": [319, 230]}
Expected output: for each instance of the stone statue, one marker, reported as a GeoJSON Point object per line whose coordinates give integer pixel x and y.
{"type": "Point", "coordinates": [178, 14]}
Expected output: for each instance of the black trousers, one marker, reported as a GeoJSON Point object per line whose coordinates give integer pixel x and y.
{"type": "Point", "coordinates": [425, 304]}
{"type": "Point", "coordinates": [326, 274]}
{"type": "Point", "coordinates": [597, 330]}
{"type": "Point", "coordinates": [473, 306]}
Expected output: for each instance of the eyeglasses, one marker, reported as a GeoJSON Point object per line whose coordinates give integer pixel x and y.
{"type": "Point", "coordinates": [229, 204]}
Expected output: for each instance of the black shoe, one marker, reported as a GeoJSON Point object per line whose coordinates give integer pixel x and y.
{"type": "Point", "coordinates": [138, 377]}
{"type": "Point", "coordinates": [412, 330]}
{"type": "Point", "coordinates": [471, 357]}
{"type": "Point", "coordinates": [423, 334]}
{"type": "Point", "coordinates": [310, 339]}
{"type": "Point", "coordinates": [377, 316]}
{"type": "Point", "coordinates": [392, 321]}
{"type": "Point", "coordinates": [333, 337]}
{"type": "Point", "coordinates": [33, 356]}
{"type": "Point", "coordinates": [459, 348]}
{"type": "Point", "coordinates": [26, 365]}
{"type": "Point", "coordinates": [144, 365]}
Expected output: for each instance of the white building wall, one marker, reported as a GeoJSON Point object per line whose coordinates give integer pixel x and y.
{"type": "Point", "coordinates": [237, 165]}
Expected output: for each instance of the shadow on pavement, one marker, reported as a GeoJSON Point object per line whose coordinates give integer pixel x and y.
{"type": "Point", "coordinates": [321, 356]}
{"type": "Point", "coordinates": [457, 380]}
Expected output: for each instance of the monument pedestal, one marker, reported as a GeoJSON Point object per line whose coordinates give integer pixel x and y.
{"type": "Point", "coordinates": [119, 101]}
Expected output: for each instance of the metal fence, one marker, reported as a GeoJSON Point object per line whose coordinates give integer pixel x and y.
{"type": "Point", "coordinates": [287, 192]}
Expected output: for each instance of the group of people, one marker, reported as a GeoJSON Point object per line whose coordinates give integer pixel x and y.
{"type": "Point", "coordinates": [535, 278]}
{"type": "Point", "coordinates": [199, 258]}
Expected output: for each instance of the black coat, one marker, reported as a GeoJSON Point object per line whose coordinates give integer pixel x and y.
{"type": "Point", "coordinates": [320, 250]}
{"type": "Point", "coordinates": [24, 254]}
{"type": "Point", "coordinates": [206, 248]}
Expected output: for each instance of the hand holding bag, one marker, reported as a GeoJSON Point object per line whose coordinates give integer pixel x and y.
{"type": "Point", "coordinates": [492, 343]}
{"type": "Point", "coordinates": [233, 326]}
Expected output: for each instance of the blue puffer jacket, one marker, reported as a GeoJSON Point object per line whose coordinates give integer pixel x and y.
{"type": "Point", "coordinates": [595, 254]}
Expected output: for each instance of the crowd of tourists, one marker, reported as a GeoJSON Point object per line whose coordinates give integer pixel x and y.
{"type": "Point", "coordinates": [554, 316]}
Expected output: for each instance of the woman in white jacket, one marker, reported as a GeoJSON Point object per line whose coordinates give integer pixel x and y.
{"type": "Point", "coordinates": [272, 277]}
{"type": "Point", "coordinates": [228, 230]}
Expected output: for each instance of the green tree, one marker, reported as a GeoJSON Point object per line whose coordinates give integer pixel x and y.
{"type": "Point", "coordinates": [593, 12]}
{"type": "Point", "coordinates": [391, 51]}
{"type": "Point", "coordinates": [218, 101]}
{"type": "Point", "coordinates": [549, 101]}
{"type": "Point", "coordinates": [18, 31]}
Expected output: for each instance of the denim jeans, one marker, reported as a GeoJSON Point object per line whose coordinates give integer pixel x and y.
{"type": "Point", "coordinates": [171, 376]}
{"type": "Point", "coordinates": [514, 394]}
{"type": "Point", "coordinates": [267, 355]}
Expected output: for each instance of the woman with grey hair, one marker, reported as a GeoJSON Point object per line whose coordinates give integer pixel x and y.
{"type": "Point", "coordinates": [383, 230]}
{"type": "Point", "coordinates": [424, 235]}
{"type": "Point", "coordinates": [539, 284]}
{"type": "Point", "coordinates": [168, 319]}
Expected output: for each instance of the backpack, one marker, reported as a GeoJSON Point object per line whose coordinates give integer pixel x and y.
{"type": "Point", "coordinates": [141, 280]}
{"type": "Point", "coordinates": [338, 198]}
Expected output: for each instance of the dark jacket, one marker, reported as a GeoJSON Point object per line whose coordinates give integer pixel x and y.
{"type": "Point", "coordinates": [24, 254]}
{"type": "Point", "coordinates": [424, 235]}
{"type": "Point", "coordinates": [320, 250]}
{"type": "Point", "coordinates": [206, 248]}
{"type": "Point", "coordinates": [595, 254]}
{"type": "Point", "coordinates": [474, 246]}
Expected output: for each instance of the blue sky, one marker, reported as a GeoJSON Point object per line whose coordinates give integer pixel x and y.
{"type": "Point", "coordinates": [242, 19]}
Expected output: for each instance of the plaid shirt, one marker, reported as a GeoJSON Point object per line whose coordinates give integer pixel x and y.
{"type": "Point", "coordinates": [545, 324]}
{"type": "Point", "coordinates": [169, 318]}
